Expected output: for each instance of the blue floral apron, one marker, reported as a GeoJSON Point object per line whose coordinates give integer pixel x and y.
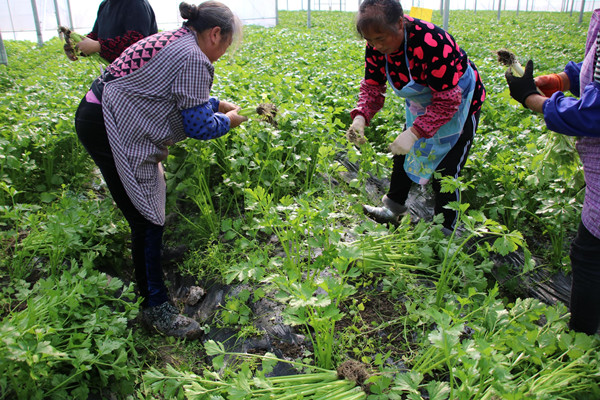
{"type": "Point", "coordinates": [427, 153]}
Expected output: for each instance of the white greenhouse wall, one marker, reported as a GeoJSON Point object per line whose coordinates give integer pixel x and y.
{"type": "Point", "coordinates": [17, 20]}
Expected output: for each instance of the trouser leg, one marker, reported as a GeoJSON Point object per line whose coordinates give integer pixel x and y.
{"type": "Point", "coordinates": [146, 237]}
{"type": "Point", "coordinates": [585, 289]}
{"type": "Point", "coordinates": [400, 183]}
{"type": "Point", "coordinates": [452, 166]}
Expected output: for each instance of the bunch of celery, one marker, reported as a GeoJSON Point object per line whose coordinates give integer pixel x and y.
{"type": "Point", "coordinates": [266, 111]}
{"type": "Point", "coordinates": [343, 384]}
{"type": "Point", "coordinates": [71, 39]}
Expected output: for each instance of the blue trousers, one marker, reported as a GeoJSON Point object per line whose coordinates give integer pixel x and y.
{"type": "Point", "coordinates": [146, 237]}
{"type": "Point", "coordinates": [585, 288]}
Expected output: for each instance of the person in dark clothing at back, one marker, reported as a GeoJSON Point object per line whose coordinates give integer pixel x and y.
{"type": "Point", "coordinates": [119, 24]}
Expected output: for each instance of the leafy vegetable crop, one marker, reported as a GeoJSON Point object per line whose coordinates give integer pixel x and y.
{"type": "Point", "coordinates": [277, 209]}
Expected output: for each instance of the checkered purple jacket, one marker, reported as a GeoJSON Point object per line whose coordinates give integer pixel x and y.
{"type": "Point", "coordinates": [142, 113]}
{"type": "Point", "coordinates": [589, 147]}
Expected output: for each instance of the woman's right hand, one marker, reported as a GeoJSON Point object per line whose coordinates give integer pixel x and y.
{"type": "Point", "coordinates": [235, 119]}
{"type": "Point", "coordinates": [356, 132]}
{"type": "Point", "coordinates": [88, 46]}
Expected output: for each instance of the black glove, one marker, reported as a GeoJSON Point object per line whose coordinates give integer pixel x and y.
{"type": "Point", "coordinates": [522, 87]}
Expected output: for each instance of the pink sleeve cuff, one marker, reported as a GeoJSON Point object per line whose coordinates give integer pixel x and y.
{"type": "Point", "coordinates": [370, 100]}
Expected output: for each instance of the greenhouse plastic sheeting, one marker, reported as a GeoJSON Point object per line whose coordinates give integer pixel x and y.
{"type": "Point", "coordinates": [17, 20]}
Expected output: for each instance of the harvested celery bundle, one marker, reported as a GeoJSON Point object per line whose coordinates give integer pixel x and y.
{"type": "Point", "coordinates": [509, 59]}
{"type": "Point", "coordinates": [266, 111]}
{"type": "Point", "coordinates": [71, 39]}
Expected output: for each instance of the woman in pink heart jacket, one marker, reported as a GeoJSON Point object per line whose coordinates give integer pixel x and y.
{"type": "Point", "coordinates": [443, 92]}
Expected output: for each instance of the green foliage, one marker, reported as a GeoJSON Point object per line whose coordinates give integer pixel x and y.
{"type": "Point", "coordinates": [265, 205]}
{"type": "Point", "coordinates": [67, 337]}
{"type": "Point", "coordinates": [71, 227]}
{"type": "Point", "coordinates": [39, 148]}
{"type": "Point", "coordinates": [519, 351]}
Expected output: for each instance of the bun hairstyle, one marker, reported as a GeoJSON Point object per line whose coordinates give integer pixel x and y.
{"type": "Point", "coordinates": [381, 15]}
{"type": "Point", "coordinates": [210, 14]}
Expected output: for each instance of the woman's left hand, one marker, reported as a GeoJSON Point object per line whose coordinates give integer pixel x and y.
{"type": "Point", "coordinates": [88, 46]}
{"type": "Point", "coordinates": [404, 142]}
{"type": "Point", "coordinates": [225, 106]}
{"type": "Point", "coordinates": [235, 119]}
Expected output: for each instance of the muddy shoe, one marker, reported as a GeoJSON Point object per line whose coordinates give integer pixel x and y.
{"type": "Point", "coordinates": [166, 319]}
{"type": "Point", "coordinates": [389, 212]}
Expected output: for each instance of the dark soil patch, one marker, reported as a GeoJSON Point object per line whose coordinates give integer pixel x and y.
{"type": "Point", "coordinates": [374, 323]}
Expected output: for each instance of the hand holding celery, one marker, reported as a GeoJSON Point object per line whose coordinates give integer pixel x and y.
{"type": "Point", "coordinates": [356, 132]}
{"type": "Point", "coordinates": [70, 47]}
{"type": "Point", "coordinates": [522, 87]}
{"type": "Point", "coordinates": [520, 81]}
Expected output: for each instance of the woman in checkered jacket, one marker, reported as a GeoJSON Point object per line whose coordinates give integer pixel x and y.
{"type": "Point", "coordinates": [157, 93]}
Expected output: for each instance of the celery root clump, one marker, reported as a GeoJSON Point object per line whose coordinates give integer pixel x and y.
{"type": "Point", "coordinates": [508, 59]}
{"type": "Point", "coordinates": [266, 111]}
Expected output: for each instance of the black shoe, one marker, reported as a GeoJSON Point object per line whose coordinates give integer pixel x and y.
{"type": "Point", "coordinates": [389, 212]}
{"type": "Point", "coordinates": [167, 320]}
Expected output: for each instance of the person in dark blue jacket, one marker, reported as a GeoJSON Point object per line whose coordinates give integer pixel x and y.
{"type": "Point", "coordinates": [119, 24]}
{"type": "Point", "coordinates": [576, 116]}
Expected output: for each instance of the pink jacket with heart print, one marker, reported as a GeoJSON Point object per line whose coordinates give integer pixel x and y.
{"type": "Point", "coordinates": [435, 60]}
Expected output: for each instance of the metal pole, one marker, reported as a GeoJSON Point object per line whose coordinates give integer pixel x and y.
{"type": "Point", "coordinates": [70, 15]}
{"type": "Point", "coordinates": [581, 12]}
{"type": "Point", "coordinates": [36, 20]}
{"type": "Point", "coordinates": [499, 10]}
{"type": "Point", "coordinates": [446, 13]}
{"type": "Point", "coordinates": [475, 6]}
{"type": "Point", "coordinates": [12, 25]}
{"type": "Point", "coordinates": [57, 12]}
{"type": "Point", "coordinates": [518, 3]}
{"type": "Point", "coordinates": [3, 56]}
